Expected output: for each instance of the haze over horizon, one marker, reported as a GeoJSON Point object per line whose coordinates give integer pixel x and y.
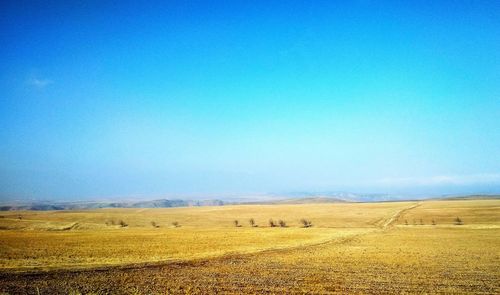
{"type": "Point", "coordinates": [105, 100]}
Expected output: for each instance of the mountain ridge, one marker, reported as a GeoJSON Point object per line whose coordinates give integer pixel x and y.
{"type": "Point", "coordinates": [294, 198]}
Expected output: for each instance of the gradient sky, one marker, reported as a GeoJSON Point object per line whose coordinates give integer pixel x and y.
{"type": "Point", "coordinates": [103, 100]}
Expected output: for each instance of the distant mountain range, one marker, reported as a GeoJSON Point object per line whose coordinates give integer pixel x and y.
{"type": "Point", "coordinates": [291, 198]}
{"type": "Point", "coordinates": [164, 203]}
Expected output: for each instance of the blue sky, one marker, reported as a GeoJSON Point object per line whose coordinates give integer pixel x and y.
{"type": "Point", "coordinates": [182, 98]}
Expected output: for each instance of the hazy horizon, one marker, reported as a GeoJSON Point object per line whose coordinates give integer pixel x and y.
{"type": "Point", "coordinates": [101, 100]}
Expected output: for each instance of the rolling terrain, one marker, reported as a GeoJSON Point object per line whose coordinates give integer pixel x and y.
{"type": "Point", "coordinates": [391, 247]}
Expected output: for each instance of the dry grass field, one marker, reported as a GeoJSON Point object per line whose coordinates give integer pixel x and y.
{"type": "Point", "coordinates": [378, 248]}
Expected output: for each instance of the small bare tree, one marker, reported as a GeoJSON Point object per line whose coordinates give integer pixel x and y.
{"type": "Point", "coordinates": [175, 224]}
{"type": "Point", "coordinates": [252, 222]}
{"type": "Point", "coordinates": [154, 224]}
{"type": "Point", "coordinates": [306, 222]}
{"type": "Point", "coordinates": [122, 223]}
{"type": "Point", "coordinates": [236, 223]}
{"type": "Point", "coordinates": [433, 222]}
{"type": "Point", "coordinates": [271, 223]}
{"type": "Point", "coordinates": [282, 223]}
{"type": "Point", "coordinates": [458, 221]}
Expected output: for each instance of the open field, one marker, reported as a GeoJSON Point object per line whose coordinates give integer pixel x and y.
{"type": "Point", "coordinates": [475, 213]}
{"type": "Point", "coordinates": [352, 248]}
{"type": "Point", "coordinates": [347, 215]}
{"type": "Point", "coordinates": [50, 250]}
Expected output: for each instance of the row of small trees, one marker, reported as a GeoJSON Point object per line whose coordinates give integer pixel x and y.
{"type": "Point", "coordinates": [456, 221]}
{"type": "Point", "coordinates": [174, 224]}
{"type": "Point", "coordinates": [272, 223]}
{"type": "Point", "coordinates": [280, 223]}
{"type": "Point", "coordinates": [251, 221]}
{"type": "Point", "coordinates": [124, 224]}
{"type": "Point", "coordinates": [119, 222]}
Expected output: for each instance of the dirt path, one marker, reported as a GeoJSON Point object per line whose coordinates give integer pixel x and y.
{"type": "Point", "coordinates": [391, 220]}
{"type": "Point", "coordinates": [386, 224]}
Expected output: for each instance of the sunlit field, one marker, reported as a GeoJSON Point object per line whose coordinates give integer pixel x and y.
{"type": "Point", "coordinates": [350, 248]}
{"type": "Point", "coordinates": [95, 238]}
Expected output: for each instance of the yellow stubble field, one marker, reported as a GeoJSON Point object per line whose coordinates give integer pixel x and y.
{"type": "Point", "coordinates": [351, 248]}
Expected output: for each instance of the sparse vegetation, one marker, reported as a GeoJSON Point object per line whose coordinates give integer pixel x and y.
{"type": "Point", "coordinates": [154, 224]}
{"type": "Point", "coordinates": [236, 223]}
{"type": "Point", "coordinates": [306, 222]}
{"type": "Point", "coordinates": [122, 223]}
{"type": "Point", "coordinates": [272, 223]}
{"type": "Point", "coordinates": [433, 222]}
{"type": "Point", "coordinates": [458, 221]}
{"type": "Point", "coordinates": [282, 223]}
{"type": "Point", "coordinates": [252, 222]}
{"type": "Point", "coordinates": [175, 224]}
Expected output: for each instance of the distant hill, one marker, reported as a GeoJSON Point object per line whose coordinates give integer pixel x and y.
{"type": "Point", "coordinates": [297, 198]}
{"type": "Point", "coordinates": [470, 197]}
{"type": "Point", "coordinates": [311, 200]}
{"type": "Point", "coordinates": [163, 203]}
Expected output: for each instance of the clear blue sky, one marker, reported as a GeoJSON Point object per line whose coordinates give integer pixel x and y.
{"type": "Point", "coordinates": [102, 100]}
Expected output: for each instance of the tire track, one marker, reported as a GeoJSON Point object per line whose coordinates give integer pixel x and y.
{"type": "Point", "coordinates": [391, 220]}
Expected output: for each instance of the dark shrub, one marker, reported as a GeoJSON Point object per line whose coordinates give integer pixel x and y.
{"type": "Point", "coordinates": [306, 222]}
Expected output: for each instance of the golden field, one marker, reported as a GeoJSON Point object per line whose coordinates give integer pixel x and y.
{"type": "Point", "coordinates": [351, 248]}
